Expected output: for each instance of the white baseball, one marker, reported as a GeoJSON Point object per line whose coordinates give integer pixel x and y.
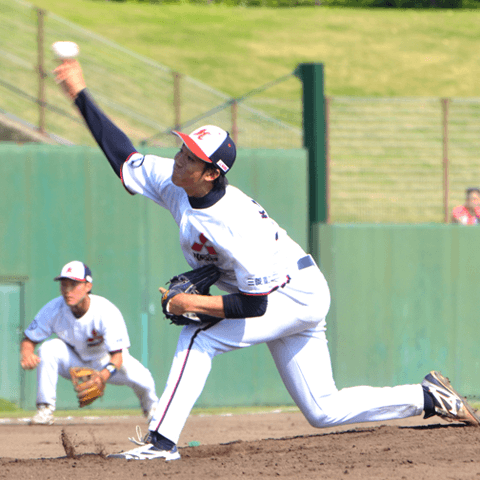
{"type": "Point", "coordinates": [63, 50]}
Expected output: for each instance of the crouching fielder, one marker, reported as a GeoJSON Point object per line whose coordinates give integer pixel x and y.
{"type": "Point", "coordinates": [91, 333]}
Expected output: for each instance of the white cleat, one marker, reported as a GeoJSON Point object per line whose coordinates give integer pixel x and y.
{"type": "Point", "coordinates": [44, 415]}
{"type": "Point", "coordinates": [148, 452]}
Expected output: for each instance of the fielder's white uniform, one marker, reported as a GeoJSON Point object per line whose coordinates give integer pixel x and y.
{"type": "Point", "coordinates": [86, 341]}
{"type": "Point", "coordinates": [256, 257]}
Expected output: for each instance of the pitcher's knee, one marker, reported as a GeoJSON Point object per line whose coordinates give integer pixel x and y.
{"type": "Point", "coordinates": [321, 417]}
{"type": "Point", "coordinates": [317, 421]}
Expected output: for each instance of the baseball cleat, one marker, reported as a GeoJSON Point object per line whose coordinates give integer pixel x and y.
{"type": "Point", "coordinates": [448, 403]}
{"type": "Point", "coordinates": [148, 452]}
{"type": "Point", "coordinates": [44, 415]}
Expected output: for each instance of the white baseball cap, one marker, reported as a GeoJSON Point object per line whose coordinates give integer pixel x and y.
{"type": "Point", "coordinates": [212, 145]}
{"type": "Point", "coordinates": [77, 271]}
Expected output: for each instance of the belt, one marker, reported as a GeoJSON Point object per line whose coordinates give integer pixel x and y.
{"type": "Point", "coordinates": [305, 262]}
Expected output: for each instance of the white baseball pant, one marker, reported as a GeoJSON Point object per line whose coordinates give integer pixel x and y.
{"type": "Point", "coordinates": [293, 327]}
{"type": "Point", "coordinates": [57, 357]}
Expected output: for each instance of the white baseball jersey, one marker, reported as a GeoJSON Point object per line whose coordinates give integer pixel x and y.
{"type": "Point", "coordinates": [222, 233]}
{"type": "Point", "coordinates": [101, 330]}
{"type": "Point", "coordinates": [86, 341]}
{"type": "Point", "coordinates": [255, 256]}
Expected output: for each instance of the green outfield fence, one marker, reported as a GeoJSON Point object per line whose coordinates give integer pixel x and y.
{"type": "Point", "coordinates": [405, 298]}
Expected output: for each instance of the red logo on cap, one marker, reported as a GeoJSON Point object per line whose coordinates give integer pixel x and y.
{"type": "Point", "coordinates": [69, 269]}
{"type": "Point", "coordinates": [202, 133]}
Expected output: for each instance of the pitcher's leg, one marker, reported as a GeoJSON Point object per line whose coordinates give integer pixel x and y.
{"type": "Point", "coordinates": [369, 404]}
{"type": "Point", "coordinates": [197, 346]}
{"type": "Point", "coordinates": [304, 364]}
{"type": "Point", "coordinates": [190, 368]}
{"type": "Point", "coordinates": [303, 361]}
{"type": "Point", "coordinates": [192, 361]}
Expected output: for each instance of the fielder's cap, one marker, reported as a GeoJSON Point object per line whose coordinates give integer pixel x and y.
{"type": "Point", "coordinates": [77, 271]}
{"type": "Point", "coordinates": [212, 145]}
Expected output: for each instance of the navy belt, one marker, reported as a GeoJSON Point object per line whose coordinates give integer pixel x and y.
{"type": "Point", "coordinates": [305, 262]}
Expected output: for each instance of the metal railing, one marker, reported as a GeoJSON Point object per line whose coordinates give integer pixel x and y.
{"type": "Point", "coordinates": [401, 159]}
{"type": "Point", "coordinates": [145, 97]}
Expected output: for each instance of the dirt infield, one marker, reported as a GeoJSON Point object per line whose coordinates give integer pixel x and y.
{"type": "Point", "coordinates": [267, 445]}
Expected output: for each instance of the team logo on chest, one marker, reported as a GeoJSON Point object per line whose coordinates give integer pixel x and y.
{"type": "Point", "coordinates": [203, 250]}
{"type": "Point", "coordinates": [95, 339]}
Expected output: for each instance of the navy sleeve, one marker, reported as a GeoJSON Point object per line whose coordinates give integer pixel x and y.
{"type": "Point", "coordinates": [238, 305]}
{"type": "Point", "coordinates": [114, 143]}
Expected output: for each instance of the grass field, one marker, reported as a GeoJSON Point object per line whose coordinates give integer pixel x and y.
{"type": "Point", "coordinates": [234, 49]}
{"type": "Point", "coordinates": [9, 410]}
{"type": "Point", "coordinates": [386, 155]}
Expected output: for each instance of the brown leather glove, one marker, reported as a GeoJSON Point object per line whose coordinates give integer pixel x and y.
{"type": "Point", "coordinates": [88, 384]}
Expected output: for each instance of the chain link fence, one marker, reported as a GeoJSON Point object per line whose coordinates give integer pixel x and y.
{"type": "Point", "coordinates": [401, 160]}
{"type": "Point", "coordinates": [145, 98]}
{"type": "Point", "coordinates": [394, 160]}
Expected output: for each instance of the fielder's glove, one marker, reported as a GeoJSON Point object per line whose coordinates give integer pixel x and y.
{"type": "Point", "coordinates": [194, 282]}
{"type": "Point", "coordinates": [88, 384]}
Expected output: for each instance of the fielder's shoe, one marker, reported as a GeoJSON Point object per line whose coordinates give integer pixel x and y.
{"type": "Point", "coordinates": [44, 415]}
{"type": "Point", "coordinates": [148, 452]}
{"type": "Point", "coordinates": [448, 403]}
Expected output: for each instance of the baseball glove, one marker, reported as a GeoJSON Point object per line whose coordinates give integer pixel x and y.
{"type": "Point", "coordinates": [194, 282]}
{"type": "Point", "coordinates": [88, 384]}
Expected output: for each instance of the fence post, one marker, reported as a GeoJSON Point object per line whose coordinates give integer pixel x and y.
{"type": "Point", "coordinates": [177, 102]}
{"type": "Point", "coordinates": [446, 192]}
{"type": "Point", "coordinates": [311, 75]}
{"type": "Point", "coordinates": [327, 158]}
{"type": "Point", "coordinates": [41, 71]}
{"type": "Point", "coordinates": [235, 122]}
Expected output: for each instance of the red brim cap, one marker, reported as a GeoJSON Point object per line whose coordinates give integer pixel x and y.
{"type": "Point", "coordinates": [71, 278]}
{"type": "Point", "coordinates": [192, 146]}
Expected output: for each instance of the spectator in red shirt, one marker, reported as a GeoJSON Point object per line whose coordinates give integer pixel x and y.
{"type": "Point", "coordinates": [469, 213]}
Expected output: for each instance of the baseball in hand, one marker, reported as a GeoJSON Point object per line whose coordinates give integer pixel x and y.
{"type": "Point", "coordinates": [63, 50]}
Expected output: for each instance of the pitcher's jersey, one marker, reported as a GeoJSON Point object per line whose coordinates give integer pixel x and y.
{"type": "Point", "coordinates": [254, 255]}
{"type": "Point", "coordinates": [101, 330]}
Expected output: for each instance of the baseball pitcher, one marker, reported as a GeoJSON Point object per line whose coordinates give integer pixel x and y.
{"type": "Point", "coordinates": [274, 291]}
